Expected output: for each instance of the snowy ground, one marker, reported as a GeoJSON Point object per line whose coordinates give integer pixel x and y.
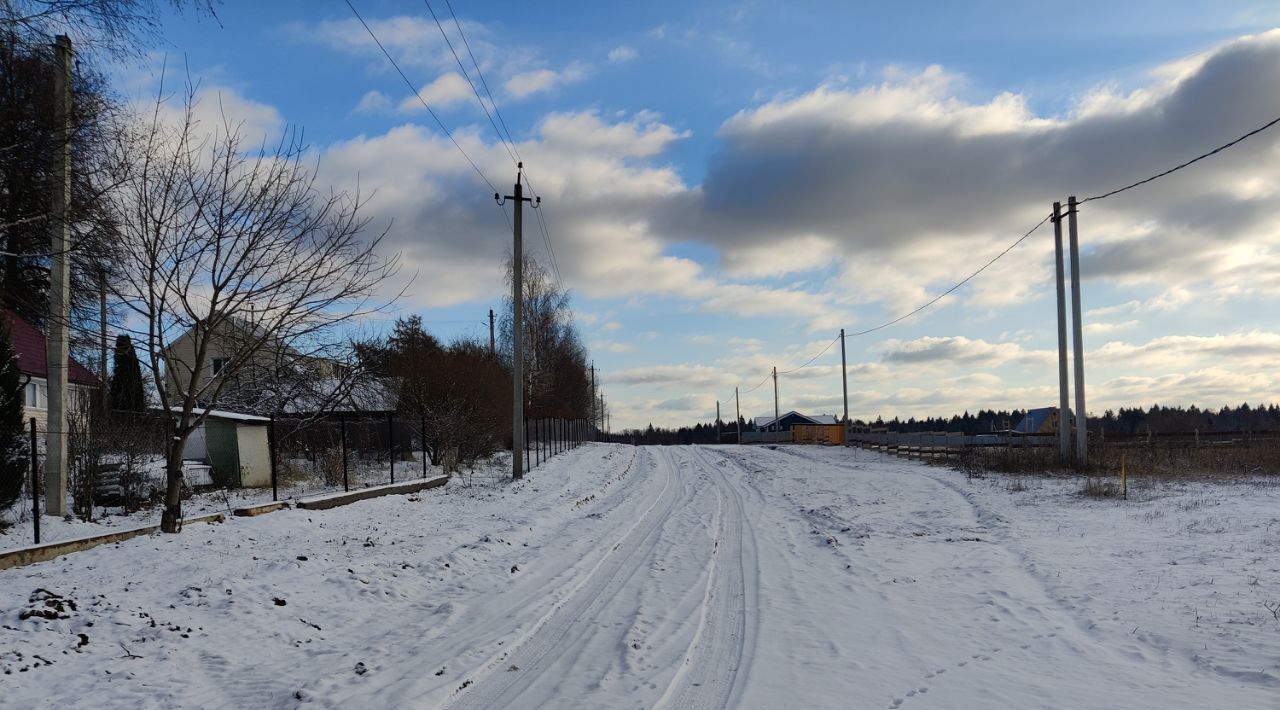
{"type": "Point", "coordinates": [19, 532]}
{"type": "Point", "coordinates": [681, 577]}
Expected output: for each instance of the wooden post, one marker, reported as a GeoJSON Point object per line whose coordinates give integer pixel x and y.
{"type": "Point", "coordinates": [844, 378]}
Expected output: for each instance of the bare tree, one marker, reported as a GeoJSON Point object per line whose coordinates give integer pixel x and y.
{"type": "Point", "coordinates": [555, 360]}
{"type": "Point", "coordinates": [458, 394]}
{"type": "Point", "coordinates": [233, 250]}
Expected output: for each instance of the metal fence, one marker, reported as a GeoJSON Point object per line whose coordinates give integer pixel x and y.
{"type": "Point", "coordinates": [544, 438]}
{"type": "Point", "coordinates": [345, 450]}
{"type": "Point", "coordinates": [115, 462]}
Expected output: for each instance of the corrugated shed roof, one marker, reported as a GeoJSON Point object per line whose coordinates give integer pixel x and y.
{"type": "Point", "coordinates": [28, 346]}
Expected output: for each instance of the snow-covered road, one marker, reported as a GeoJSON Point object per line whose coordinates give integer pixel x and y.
{"type": "Point", "coordinates": [673, 577]}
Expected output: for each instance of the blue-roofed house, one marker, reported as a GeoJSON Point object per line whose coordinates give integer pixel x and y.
{"type": "Point", "coordinates": [1038, 421]}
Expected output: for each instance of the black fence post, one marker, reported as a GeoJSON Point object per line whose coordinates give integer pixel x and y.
{"type": "Point", "coordinates": [271, 443]}
{"type": "Point", "coordinates": [391, 443]}
{"type": "Point", "coordinates": [423, 426]}
{"type": "Point", "coordinates": [35, 483]}
{"type": "Point", "coordinates": [342, 423]}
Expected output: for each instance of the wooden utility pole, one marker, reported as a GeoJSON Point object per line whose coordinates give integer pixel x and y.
{"type": "Point", "coordinates": [775, 397]}
{"type": "Point", "coordinates": [58, 346]}
{"type": "Point", "coordinates": [492, 344]}
{"type": "Point", "coordinates": [717, 421]}
{"type": "Point", "coordinates": [1082, 419]}
{"type": "Point", "coordinates": [517, 324]}
{"type": "Point", "coordinates": [844, 378]}
{"type": "Point", "coordinates": [594, 419]}
{"type": "Point", "coordinates": [1064, 403]}
{"type": "Point", "coordinates": [737, 415]}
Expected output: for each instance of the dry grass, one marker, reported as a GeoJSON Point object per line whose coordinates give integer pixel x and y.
{"type": "Point", "coordinates": [1142, 461]}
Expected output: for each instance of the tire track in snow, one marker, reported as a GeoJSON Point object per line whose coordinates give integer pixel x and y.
{"type": "Point", "coordinates": [720, 653]}
{"type": "Point", "coordinates": [504, 677]}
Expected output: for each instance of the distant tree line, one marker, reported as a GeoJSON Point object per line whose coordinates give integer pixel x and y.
{"type": "Point", "coordinates": [697, 434]}
{"type": "Point", "coordinates": [1156, 419]}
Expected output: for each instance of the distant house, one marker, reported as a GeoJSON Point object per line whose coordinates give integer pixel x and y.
{"type": "Point", "coordinates": [790, 419]}
{"type": "Point", "coordinates": [33, 365]}
{"type": "Point", "coordinates": [267, 374]}
{"type": "Point", "coordinates": [1038, 421]}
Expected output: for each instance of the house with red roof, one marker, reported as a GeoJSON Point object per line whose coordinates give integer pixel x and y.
{"type": "Point", "coordinates": [33, 364]}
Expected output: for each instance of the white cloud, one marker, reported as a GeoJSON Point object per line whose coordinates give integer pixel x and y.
{"type": "Point", "coordinates": [374, 102]}
{"type": "Point", "coordinates": [445, 90]}
{"type": "Point", "coordinates": [538, 81]}
{"type": "Point", "coordinates": [619, 55]}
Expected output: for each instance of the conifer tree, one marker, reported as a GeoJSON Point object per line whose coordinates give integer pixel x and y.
{"type": "Point", "coordinates": [13, 449]}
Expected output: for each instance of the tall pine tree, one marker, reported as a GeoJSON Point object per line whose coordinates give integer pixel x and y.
{"type": "Point", "coordinates": [126, 378]}
{"type": "Point", "coordinates": [13, 448]}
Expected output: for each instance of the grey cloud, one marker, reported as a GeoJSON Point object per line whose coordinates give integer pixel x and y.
{"type": "Point", "coordinates": [885, 187]}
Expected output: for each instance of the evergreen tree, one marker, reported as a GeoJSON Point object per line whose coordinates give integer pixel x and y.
{"type": "Point", "coordinates": [126, 378]}
{"type": "Point", "coordinates": [13, 449]}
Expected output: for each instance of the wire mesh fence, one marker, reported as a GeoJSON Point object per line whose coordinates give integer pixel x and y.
{"type": "Point", "coordinates": [348, 450]}
{"type": "Point", "coordinates": [547, 437]}
{"type": "Point", "coordinates": [116, 464]}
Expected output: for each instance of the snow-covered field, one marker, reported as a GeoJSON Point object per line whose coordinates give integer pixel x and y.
{"type": "Point", "coordinates": [681, 577]}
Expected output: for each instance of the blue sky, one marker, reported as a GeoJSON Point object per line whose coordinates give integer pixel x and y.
{"type": "Point", "coordinates": [728, 184]}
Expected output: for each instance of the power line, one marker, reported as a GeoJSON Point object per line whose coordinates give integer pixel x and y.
{"type": "Point", "coordinates": [467, 76]}
{"type": "Point", "coordinates": [479, 73]}
{"type": "Point", "coordinates": [1024, 237]}
{"type": "Point", "coordinates": [951, 290]}
{"type": "Point", "coordinates": [1176, 168]}
{"type": "Point", "coordinates": [918, 309]}
{"type": "Point", "coordinates": [753, 389]}
{"type": "Point", "coordinates": [546, 234]}
{"type": "Point", "coordinates": [810, 360]}
{"type": "Point", "coordinates": [417, 94]}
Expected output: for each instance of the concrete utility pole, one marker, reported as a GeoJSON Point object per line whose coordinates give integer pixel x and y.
{"type": "Point", "coordinates": [737, 415]}
{"type": "Point", "coordinates": [58, 347]}
{"type": "Point", "coordinates": [1082, 419]}
{"type": "Point", "coordinates": [517, 326]}
{"type": "Point", "coordinates": [775, 396]}
{"type": "Point", "coordinates": [1064, 403]}
{"type": "Point", "coordinates": [492, 346]}
{"type": "Point", "coordinates": [844, 378]}
{"type": "Point", "coordinates": [594, 419]}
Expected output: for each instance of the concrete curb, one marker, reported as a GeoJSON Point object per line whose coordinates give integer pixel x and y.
{"type": "Point", "coordinates": [333, 500]}
{"type": "Point", "coordinates": [51, 550]}
{"type": "Point", "coordinates": [250, 511]}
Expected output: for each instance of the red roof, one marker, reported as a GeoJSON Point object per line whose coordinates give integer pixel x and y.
{"type": "Point", "coordinates": [28, 345]}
